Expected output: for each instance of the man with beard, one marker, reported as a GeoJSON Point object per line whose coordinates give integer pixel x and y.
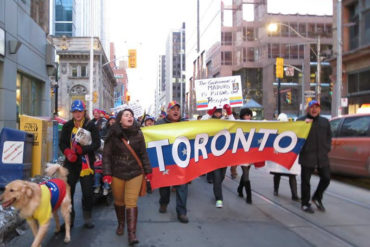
{"type": "Point", "coordinates": [174, 116]}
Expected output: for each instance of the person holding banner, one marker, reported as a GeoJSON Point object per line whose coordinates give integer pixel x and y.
{"type": "Point", "coordinates": [245, 114]}
{"type": "Point", "coordinates": [173, 116]}
{"type": "Point", "coordinates": [219, 174]}
{"type": "Point", "coordinates": [314, 155]}
{"type": "Point", "coordinates": [124, 160]}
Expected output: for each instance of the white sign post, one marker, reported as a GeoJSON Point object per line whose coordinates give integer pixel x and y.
{"type": "Point", "coordinates": [216, 92]}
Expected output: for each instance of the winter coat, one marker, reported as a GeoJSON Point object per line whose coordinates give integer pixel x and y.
{"type": "Point", "coordinates": [65, 142]}
{"type": "Point", "coordinates": [318, 143]}
{"type": "Point", "coordinates": [118, 160]}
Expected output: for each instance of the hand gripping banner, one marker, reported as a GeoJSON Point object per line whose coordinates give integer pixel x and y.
{"type": "Point", "coordinates": [180, 152]}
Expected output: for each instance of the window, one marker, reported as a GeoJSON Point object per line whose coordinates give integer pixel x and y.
{"type": "Point", "coordinates": [275, 50]}
{"type": "Point", "coordinates": [250, 34]}
{"type": "Point", "coordinates": [84, 71]}
{"type": "Point", "coordinates": [367, 28]}
{"type": "Point", "coordinates": [302, 29]}
{"type": "Point", "coordinates": [334, 124]}
{"type": "Point", "coordinates": [74, 70]}
{"type": "Point", "coordinates": [353, 29]}
{"type": "Point", "coordinates": [226, 58]}
{"type": "Point", "coordinates": [294, 27]}
{"type": "Point", "coordinates": [285, 30]}
{"type": "Point", "coordinates": [250, 54]}
{"type": "Point", "coordinates": [294, 52]}
{"type": "Point", "coordinates": [285, 51]}
{"type": "Point", "coordinates": [355, 126]}
{"type": "Point", "coordinates": [301, 51]}
{"type": "Point", "coordinates": [364, 81]}
{"type": "Point", "coordinates": [28, 95]}
{"type": "Point", "coordinates": [227, 38]}
{"type": "Point", "coordinates": [359, 82]}
{"type": "Point", "coordinates": [311, 30]}
{"type": "Point", "coordinates": [328, 30]}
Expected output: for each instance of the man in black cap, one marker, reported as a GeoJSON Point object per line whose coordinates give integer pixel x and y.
{"type": "Point", "coordinates": [314, 155]}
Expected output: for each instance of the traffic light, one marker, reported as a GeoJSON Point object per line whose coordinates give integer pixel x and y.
{"type": "Point", "coordinates": [279, 67]}
{"type": "Point", "coordinates": [132, 58]}
{"type": "Point", "coordinates": [331, 88]}
{"type": "Point", "coordinates": [95, 96]}
{"type": "Point", "coordinates": [127, 98]}
{"type": "Point", "coordinates": [288, 97]}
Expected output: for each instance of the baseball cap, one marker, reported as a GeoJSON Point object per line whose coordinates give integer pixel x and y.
{"type": "Point", "coordinates": [78, 105]}
{"type": "Point", "coordinates": [313, 102]}
{"type": "Point", "coordinates": [172, 104]}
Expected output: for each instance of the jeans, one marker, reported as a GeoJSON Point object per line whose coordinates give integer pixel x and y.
{"type": "Point", "coordinates": [324, 173]}
{"type": "Point", "coordinates": [97, 181]}
{"type": "Point", "coordinates": [181, 197]}
{"type": "Point", "coordinates": [218, 178]}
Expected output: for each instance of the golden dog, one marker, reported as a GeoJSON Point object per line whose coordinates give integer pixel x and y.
{"type": "Point", "coordinates": [37, 203]}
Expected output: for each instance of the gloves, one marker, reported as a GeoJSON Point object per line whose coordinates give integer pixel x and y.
{"type": "Point", "coordinates": [107, 179]}
{"type": "Point", "coordinates": [211, 111]}
{"type": "Point", "coordinates": [148, 177]}
{"type": "Point", "coordinates": [70, 155]}
{"type": "Point", "coordinates": [77, 147]}
{"type": "Point", "coordinates": [227, 107]}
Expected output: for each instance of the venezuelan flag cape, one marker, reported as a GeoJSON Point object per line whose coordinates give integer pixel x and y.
{"type": "Point", "coordinates": [180, 152]}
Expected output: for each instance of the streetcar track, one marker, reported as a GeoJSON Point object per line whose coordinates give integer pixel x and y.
{"type": "Point", "coordinates": [301, 216]}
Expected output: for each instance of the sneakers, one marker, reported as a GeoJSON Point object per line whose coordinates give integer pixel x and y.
{"type": "Point", "coordinates": [182, 218]}
{"type": "Point", "coordinates": [308, 209]}
{"type": "Point", "coordinates": [219, 204]}
{"type": "Point", "coordinates": [163, 208]}
{"type": "Point", "coordinates": [318, 204]}
{"type": "Point", "coordinates": [96, 190]}
{"type": "Point", "coordinates": [105, 192]}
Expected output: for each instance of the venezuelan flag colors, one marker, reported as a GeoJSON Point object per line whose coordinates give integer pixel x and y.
{"type": "Point", "coordinates": [180, 152]}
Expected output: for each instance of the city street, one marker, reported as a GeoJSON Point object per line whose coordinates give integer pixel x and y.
{"type": "Point", "coordinates": [269, 221]}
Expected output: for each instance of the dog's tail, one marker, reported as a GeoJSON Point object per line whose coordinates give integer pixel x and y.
{"type": "Point", "coordinates": [57, 170]}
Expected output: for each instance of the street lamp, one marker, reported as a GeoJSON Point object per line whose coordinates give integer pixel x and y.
{"type": "Point", "coordinates": [273, 27]}
{"type": "Point", "coordinates": [53, 71]}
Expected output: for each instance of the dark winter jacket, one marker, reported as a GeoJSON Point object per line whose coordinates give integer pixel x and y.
{"type": "Point", "coordinates": [117, 159]}
{"type": "Point", "coordinates": [65, 142]}
{"type": "Point", "coordinates": [165, 121]}
{"type": "Point", "coordinates": [318, 143]}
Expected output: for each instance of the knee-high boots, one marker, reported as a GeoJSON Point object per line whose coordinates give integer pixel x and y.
{"type": "Point", "coordinates": [120, 213]}
{"type": "Point", "coordinates": [131, 215]}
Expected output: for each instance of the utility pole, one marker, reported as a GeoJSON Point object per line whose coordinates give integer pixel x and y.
{"type": "Point", "coordinates": [303, 101]}
{"type": "Point", "coordinates": [318, 76]}
{"type": "Point", "coordinates": [91, 63]}
{"type": "Point", "coordinates": [338, 85]}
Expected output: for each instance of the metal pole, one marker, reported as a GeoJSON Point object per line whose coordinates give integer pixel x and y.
{"type": "Point", "coordinates": [182, 107]}
{"type": "Point", "coordinates": [303, 101]}
{"type": "Point", "coordinates": [278, 95]}
{"type": "Point", "coordinates": [338, 85]}
{"type": "Point", "coordinates": [56, 91]}
{"type": "Point", "coordinates": [318, 76]}
{"type": "Point", "coordinates": [91, 64]}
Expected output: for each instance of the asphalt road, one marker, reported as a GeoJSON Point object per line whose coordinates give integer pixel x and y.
{"type": "Point", "coordinates": [269, 221]}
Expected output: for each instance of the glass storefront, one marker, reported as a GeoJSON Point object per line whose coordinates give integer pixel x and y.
{"type": "Point", "coordinates": [28, 95]}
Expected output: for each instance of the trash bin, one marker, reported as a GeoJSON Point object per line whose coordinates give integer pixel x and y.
{"type": "Point", "coordinates": [15, 155]}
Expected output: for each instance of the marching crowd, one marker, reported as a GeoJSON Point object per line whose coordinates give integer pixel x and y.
{"type": "Point", "coordinates": [124, 167]}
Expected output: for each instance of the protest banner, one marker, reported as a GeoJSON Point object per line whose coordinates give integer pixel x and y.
{"type": "Point", "coordinates": [180, 152]}
{"type": "Point", "coordinates": [218, 92]}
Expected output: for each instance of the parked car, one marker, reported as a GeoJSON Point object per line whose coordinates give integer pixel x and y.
{"type": "Point", "coordinates": [350, 147]}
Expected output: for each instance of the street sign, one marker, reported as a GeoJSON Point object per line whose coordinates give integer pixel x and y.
{"type": "Point", "coordinates": [309, 94]}
{"type": "Point", "coordinates": [289, 71]}
{"type": "Point", "coordinates": [344, 102]}
{"type": "Point", "coordinates": [279, 67]}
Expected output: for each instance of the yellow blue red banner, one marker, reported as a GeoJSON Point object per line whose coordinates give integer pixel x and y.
{"type": "Point", "coordinates": [180, 152]}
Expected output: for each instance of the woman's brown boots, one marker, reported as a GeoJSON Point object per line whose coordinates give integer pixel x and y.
{"type": "Point", "coordinates": [131, 214]}
{"type": "Point", "coordinates": [120, 213]}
